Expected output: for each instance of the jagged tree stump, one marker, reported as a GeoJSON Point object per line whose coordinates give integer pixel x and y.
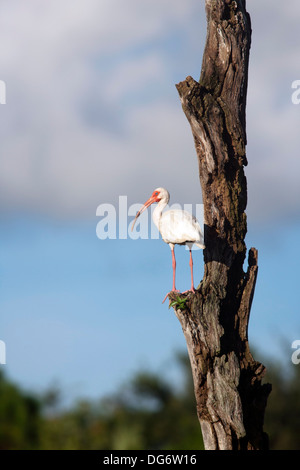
{"type": "Point", "coordinates": [230, 397]}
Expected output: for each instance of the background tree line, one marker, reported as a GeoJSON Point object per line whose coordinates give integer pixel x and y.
{"type": "Point", "coordinates": [145, 413]}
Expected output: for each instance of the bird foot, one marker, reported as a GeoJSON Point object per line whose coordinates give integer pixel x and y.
{"type": "Point", "coordinates": [171, 291]}
{"type": "Point", "coordinates": [192, 289]}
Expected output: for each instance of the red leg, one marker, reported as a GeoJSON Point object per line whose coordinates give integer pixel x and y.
{"type": "Point", "coordinates": [174, 273]}
{"type": "Point", "coordinates": [192, 276]}
{"type": "Point", "coordinates": [174, 268]}
{"type": "Point", "coordinates": [192, 289]}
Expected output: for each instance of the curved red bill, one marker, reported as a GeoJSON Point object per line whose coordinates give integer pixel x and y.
{"type": "Point", "coordinates": [147, 204]}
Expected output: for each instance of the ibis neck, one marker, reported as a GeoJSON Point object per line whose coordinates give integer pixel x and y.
{"type": "Point", "coordinates": [157, 213]}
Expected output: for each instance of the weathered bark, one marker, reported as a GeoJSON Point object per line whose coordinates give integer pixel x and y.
{"type": "Point", "coordinates": [230, 397]}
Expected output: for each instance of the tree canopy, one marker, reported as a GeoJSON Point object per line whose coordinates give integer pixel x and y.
{"type": "Point", "coordinates": [140, 415]}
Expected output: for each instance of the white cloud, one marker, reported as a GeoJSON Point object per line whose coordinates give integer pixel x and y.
{"type": "Point", "coordinates": [132, 76]}
{"type": "Point", "coordinates": [92, 111]}
{"type": "Point", "coordinates": [272, 120]}
{"type": "Point", "coordinates": [67, 132]}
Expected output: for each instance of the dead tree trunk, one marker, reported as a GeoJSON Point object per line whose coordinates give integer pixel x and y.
{"type": "Point", "coordinates": [230, 397]}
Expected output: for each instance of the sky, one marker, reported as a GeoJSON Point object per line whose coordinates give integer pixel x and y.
{"type": "Point", "coordinates": [92, 114]}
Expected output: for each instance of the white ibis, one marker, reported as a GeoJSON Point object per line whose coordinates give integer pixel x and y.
{"type": "Point", "coordinates": [177, 227]}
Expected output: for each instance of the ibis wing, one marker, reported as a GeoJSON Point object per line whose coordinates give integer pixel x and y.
{"type": "Point", "coordinates": [178, 226]}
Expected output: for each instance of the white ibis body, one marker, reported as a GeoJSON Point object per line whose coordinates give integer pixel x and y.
{"type": "Point", "coordinates": [177, 227]}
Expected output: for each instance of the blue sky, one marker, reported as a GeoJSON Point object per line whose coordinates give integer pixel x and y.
{"type": "Point", "coordinates": [86, 313]}
{"type": "Point", "coordinates": [92, 113]}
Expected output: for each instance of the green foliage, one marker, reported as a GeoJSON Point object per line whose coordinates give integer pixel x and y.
{"type": "Point", "coordinates": [147, 412]}
{"type": "Point", "coordinates": [283, 411]}
{"type": "Point", "coordinates": [20, 418]}
{"type": "Point", "coordinates": [179, 303]}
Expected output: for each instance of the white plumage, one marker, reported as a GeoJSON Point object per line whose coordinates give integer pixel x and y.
{"type": "Point", "coordinates": [177, 227]}
{"type": "Point", "coordinates": [180, 227]}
